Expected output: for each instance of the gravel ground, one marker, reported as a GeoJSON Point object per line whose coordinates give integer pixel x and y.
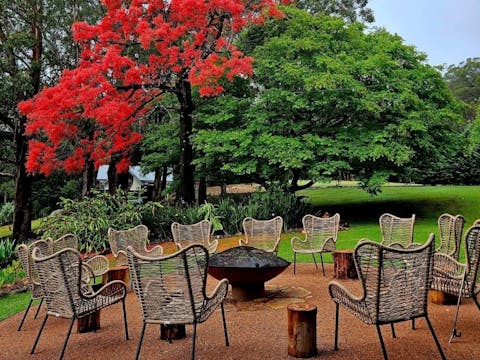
{"type": "Point", "coordinates": [257, 330]}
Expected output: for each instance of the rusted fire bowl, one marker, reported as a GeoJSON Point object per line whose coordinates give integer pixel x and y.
{"type": "Point", "coordinates": [247, 269]}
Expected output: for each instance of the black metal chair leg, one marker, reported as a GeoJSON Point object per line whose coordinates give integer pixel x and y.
{"type": "Point", "coordinates": [336, 327]}
{"type": "Point", "coordinates": [67, 337]}
{"type": "Point", "coordinates": [39, 333]}
{"type": "Point", "coordinates": [294, 262]}
{"type": "Point", "coordinates": [384, 350]}
{"type": "Point", "coordinates": [476, 302]}
{"type": "Point", "coordinates": [435, 338]}
{"type": "Point", "coordinates": [193, 340]}
{"type": "Point", "coordinates": [125, 320]}
{"type": "Point", "coordinates": [413, 324]}
{"type": "Point", "coordinates": [140, 341]}
{"type": "Point", "coordinates": [314, 261]}
{"type": "Point", "coordinates": [321, 259]}
{"type": "Point", "coordinates": [25, 315]}
{"type": "Point", "coordinates": [38, 309]}
{"type": "Point", "coordinates": [170, 333]}
{"type": "Point", "coordinates": [392, 326]}
{"type": "Point", "coordinates": [227, 343]}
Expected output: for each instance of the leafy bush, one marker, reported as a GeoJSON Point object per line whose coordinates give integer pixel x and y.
{"type": "Point", "coordinates": [11, 273]}
{"type": "Point", "coordinates": [7, 252]}
{"type": "Point", "coordinates": [90, 218]}
{"type": "Point", "coordinates": [6, 213]}
{"type": "Point", "coordinates": [228, 213]}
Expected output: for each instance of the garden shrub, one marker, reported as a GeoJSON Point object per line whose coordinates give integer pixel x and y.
{"type": "Point", "coordinates": [11, 273]}
{"type": "Point", "coordinates": [90, 218]}
{"type": "Point", "coordinates": [6, 213]}
{"type": "Point", "coordinates": [7, 252]}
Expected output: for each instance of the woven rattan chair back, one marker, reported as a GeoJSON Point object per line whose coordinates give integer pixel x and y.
{"type": "Point", "coordinates": [396, 230]}
{"type": "Point", "coordinates": [60, 275]}
{"type": "Point", "coordinates": [64, 242]}
{"type": "Point", "coordinates": [318, 229]}
{"type": "Point", "coordinates": [136, 237]}
{"type": "Point", "coordinates": [472, 254]}
{"type": "Point", "coordinates": [450, 228]}
{"type": "Point", "coordinates": [395, 281]}
{"type": "Point", "coordinates": [24, 252]}
{"type": "Point", "coordinates": [263, 234]}
{"type": "Point", "coordinates": [171, 289]}
{"type": "Point", "coordinates": [199, 233]}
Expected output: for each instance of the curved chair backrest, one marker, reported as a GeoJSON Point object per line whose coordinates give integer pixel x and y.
{"type": "Point", "coordinates": [136, 237]}
{"type": "Point", "coordinates": [199, 233]}
{"type": "Point", "coordinates": [170, 288]}
{"type": "Point", "coordinates": [396, 230]}
{"type": "Point", "coordinates": [263, 234]}
{"type": "Point", "coordinates": [472, 254]}
{"type": "Point", "coordinates": [60, 276]}
{"type": "Point", "coordinates": [395, 281]}
{"type": "Point", "coordinates": [450, 229]}
{"type": "Point", "coordinates": [25, 255]}
{"type": "Point", "coordinates": [65, 241]}
{"type": "Point", "coordinates": [318, 229]}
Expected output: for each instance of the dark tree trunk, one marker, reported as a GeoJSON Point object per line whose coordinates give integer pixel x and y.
{"type": "Point", "coordinates": [294, 184]}
{"type": "Point", "coordinates": [123, 180]}
{"type": "Point", "coordinates": [112, 177]}
{"type": "Point", "coordinates": [187, 183]}
{"type": "Point", "coordinates": [22, 215]}
{"type": "Point", "coordinates": [157, 183]}
{"type": "Point", "coordinates": [202, 190]}
{"type": "Point", "coordinates": [88, 178]}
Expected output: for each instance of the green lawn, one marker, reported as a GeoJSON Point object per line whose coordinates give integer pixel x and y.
{"type": "Point", "coordinates": [361, 210]}
{"type": "Point", "coordinates": [15, 303]}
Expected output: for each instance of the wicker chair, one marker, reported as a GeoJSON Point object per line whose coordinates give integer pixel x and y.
{"type": "Point", "coordinates": [136, 237]}
{"type": "Point", "coordinates": [25, 255]}
{"type": "Point", "coordinates": [320, 237]}
{"type": "Point", "coordinates": [455, 278]}
{"type": "Point", "coordinates": [396, 230]}
{"type": "Point", "coordinates": [395, 286]}
{"type": "Point", "coordinates": [60, 277]}
{"type": "Point", "coordinates": [450, 229]}
{"type": "Point", "coordinates": [97, 264]}
{"type": "Point", "coordinates": [262, 234]}
{"type": "Point", "coordinates": [199, 233]}
{"type": "Point", "coordinates": [171, 289]}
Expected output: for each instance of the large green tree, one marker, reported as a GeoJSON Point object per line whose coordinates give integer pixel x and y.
{"type": "Point", "coordinates": [349, 10]}
{"type": "Point", "coordinates": [329, 98]}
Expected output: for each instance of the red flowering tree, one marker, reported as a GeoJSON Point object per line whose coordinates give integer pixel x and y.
{"type": "Point", "coordinates": [140, 50]}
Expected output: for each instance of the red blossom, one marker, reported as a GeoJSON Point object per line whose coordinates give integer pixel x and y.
{"type": "Point", "coordinates": [136, 52]}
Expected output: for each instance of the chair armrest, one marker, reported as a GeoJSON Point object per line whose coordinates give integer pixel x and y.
{"type": "Point", "coordinates": [112, 288]}
{"type": "Point", "coordinates": [242, 242]}
{"type": "Point", "coordinates": [99, 264]}
{"type": "Point", "coordinates": [297, 242]}
{"type": "Point", "coordinates": [157, 250]}
{"type": "Point", "coordinates": [446, 266]}
{"type": "Point", "coordinates": [328, 245]}
{"type": "Point", "coordinates": [121, 258]}
{"type": "Point", "coordinates": [220, 291]}
{"type": "Point", "coordinates": [212, 245]}
{"type": "Point", "coordinates": [355, 304]}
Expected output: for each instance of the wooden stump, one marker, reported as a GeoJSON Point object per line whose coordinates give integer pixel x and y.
{"type": "Point", "coordinates": [117, 273]}
{"type": "Point", "coordinates": [302, 330]}
{"type": "Point", "coordinates": [442, 298]}
{"type": "Point", "coordinates": [178, 332]}
{"type": "Point", "coordinates": [89, 323]}
{"type": "Point", "coordinates": [343, 264]}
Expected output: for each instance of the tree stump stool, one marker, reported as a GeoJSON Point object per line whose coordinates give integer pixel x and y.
{"type": "Point", "coordinates": [302, 330]}
{"type": "Point", "coordinates": [344, 265]}
{"type": "Point", "coordinates": [177, 332]}
{"type": "Point", "coordinates": [118, 273]}
{"type": "Point", "coordinates": [442, 298]}
{"type": "Point", "coordinates": [90, 322]}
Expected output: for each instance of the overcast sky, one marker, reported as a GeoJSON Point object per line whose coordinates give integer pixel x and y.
{"type": "Point", "coordinates": [448, 31]}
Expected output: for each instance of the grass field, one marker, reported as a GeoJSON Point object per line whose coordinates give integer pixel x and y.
{"type": "Point", "coordinates": [361, 210]}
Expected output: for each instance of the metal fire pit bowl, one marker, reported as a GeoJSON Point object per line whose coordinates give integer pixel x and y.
{"type": "Point", "coordinates": [247, 269]}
